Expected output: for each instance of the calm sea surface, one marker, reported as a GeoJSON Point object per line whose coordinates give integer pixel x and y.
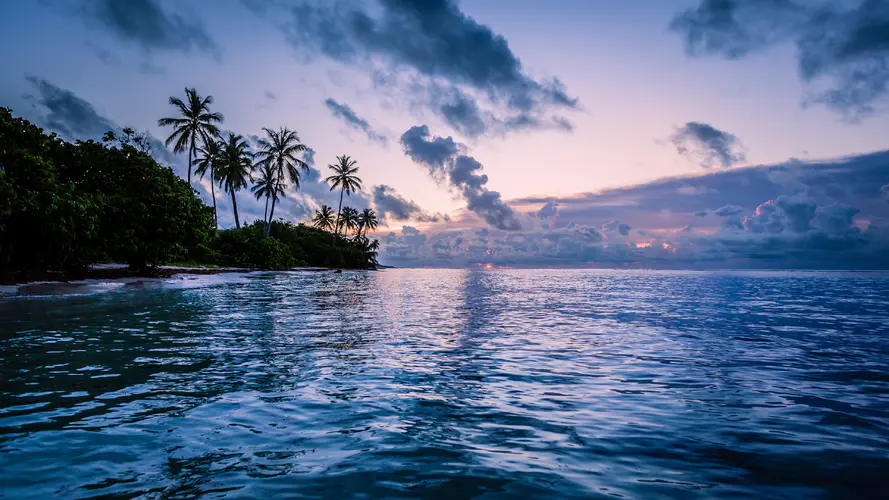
{"type": "Point", "coordinates": [449, 384]}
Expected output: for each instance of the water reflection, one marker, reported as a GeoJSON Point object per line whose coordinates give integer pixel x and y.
{"type": "Point", "coordinates": [448, 384]}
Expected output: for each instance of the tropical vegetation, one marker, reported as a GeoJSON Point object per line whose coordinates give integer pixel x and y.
{"type": "Point", "coordinates": [67, 205]}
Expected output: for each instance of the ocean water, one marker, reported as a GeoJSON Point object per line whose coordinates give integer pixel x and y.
{"type": "Point", "coordinates": [449, 384]}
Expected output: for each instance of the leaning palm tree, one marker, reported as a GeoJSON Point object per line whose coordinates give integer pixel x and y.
{"type": "Point", "coordinates": [269, 186]}
{"type": "Point", "coordinates": [367, 219]}
{"type": "Point", "coordinates": [208, 160]}
{"type": "Point", "coordinates": [196, 122]}
{"type": "Point", "coordinates": [235, 167]}
{"type": "Point", "coordinates": [349, 219]}
{"type": "Point", "coordinates": [323, 218]}
{"type": "Point", "coordinates": [278, 152]}
{"type": "Point", "coordinates": [344, 178]}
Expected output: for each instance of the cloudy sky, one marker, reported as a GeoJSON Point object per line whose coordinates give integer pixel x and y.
{"type": "Point", "coordinates": [687, 133]}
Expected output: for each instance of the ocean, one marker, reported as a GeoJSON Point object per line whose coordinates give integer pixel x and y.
{"type": "Point", "coordinates": [500, 383]}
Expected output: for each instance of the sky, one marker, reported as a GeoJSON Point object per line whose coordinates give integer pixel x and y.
{"type": "Point", "coordinates": [693, 133]}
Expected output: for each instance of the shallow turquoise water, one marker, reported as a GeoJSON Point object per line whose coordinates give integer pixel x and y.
{"type": "Point", "coordinates": [450, 384]}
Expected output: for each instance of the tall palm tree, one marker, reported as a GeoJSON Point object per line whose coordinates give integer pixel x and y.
{"type": "Point", "coordinates": [279, 152]}
{"type": "Point", "coordinates": [349, 219]}
{"type": "Point", "coordinates": [367, 219]}
{"type": "Point", "coordinates": [196, 122]}
{"type": "Point", "coordinates": [270, 186]}
{"type": "Point", "coordinates": [235, 168]}
{"type": "Point", "coordinates": [323, 218]}
{"type": "Point", "coordinates": [344, 178]}
{"type": "Point", "coordinates": [208, 160]}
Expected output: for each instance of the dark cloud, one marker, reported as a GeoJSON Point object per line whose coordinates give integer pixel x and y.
{"type": "Point", "coordinates": [617, 226]}
{"type": "Point", "coordinates": [348, 115]}
{"type": "Point", "coordinates": [67, 114]}
{"type": "Point", "coordinates": [452, 62]}
{"type": "Point", "coordinates": [728, 210]}
{"type": "Point", "coordinates": [391, 205]}
{"type": "Point", "coordinates": [842, 47]}
{"type": "Point", "coordinates": [147, 24]}
{"type": "Point", "coordinates": [431, 152]}
{"type": "Point", "coordinates": [551, 209]}
{"type": "Point", "coordinates": [460, 111]}
{"type": "Point", "coordinates": [461, 172]}
{"type": "Point", "coordinates": [702, 213]}
{"type": "Point", "coordinates": [269, 95]}
{"type": "Point", "coordinates": [708, 145]}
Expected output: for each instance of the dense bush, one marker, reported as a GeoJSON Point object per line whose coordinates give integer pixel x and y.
{"type": "Point", "coordinates": [287, 246]}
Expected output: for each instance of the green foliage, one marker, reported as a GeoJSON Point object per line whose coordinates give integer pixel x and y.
{"type": "Point", "coordinates": [68, 205]}
{"type": "Point", "coordinates": [288, 246]}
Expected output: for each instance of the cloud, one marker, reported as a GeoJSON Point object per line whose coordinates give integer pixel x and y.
{"type": "Point", "coordinates": [708, 145]}
{"type": "Point", "coordinates": [431, 152]}
{"type": "Point", "coordinates": [812, 214]}
{"type": "Point", "coordinates": [461, 172]}
{"type": "Point", "coordinates": [346, 113]}
{"type": "Point", "coordinates": [728, 210]}
{"type": "Point", "coordinates": [617, 226]}
{"type": "Point", "coordinates": [269, 95]}
{"type": "Point", "coordinates": [551, 209]}
{"type": "Point", "coordinates": [885, 191]}
{"type": "Point", "coordinates": [147, 24]}
{"type": "Point", "coordinates": [66, 113]}
{"type": "Point", "coordinates": [309, 157]}
{"type": "Point", "coordinates": [391, 205]}
{"type": "Point", "coordinates": [842, 47]}
{"type": "Point", "coordinates": [442, 59]}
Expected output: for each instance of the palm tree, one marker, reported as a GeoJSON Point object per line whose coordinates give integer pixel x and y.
{"type": "Point", "coordinates": [195, 122]}
{"type": "Point", "coordinates": [268, 185]}
{"type": "Point", "coordinates": [367, 220]}
{"type": "Point", "coordinates": [370, 250]}
{"type": "Point", "coordinates": [279, 152]}
{"type": "Point", "coordinates": [235, 167]}
{"type": "Point", "coordinates": [344, 178]}
{"type": "Point", "coordinates": [210, 155]}
{"type": "Point", "coordinates": [323, 218]}
{"type": "Point", "coordinates": [349, 219]}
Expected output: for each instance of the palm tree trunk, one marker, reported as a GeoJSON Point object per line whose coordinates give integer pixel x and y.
{"type": "Point", "coordinates": [213, 193]}
{"type": "Point", "coordinates": [338, 210]}
{"type": "Point", "coordinates": [190, 155]}
{"type": "Point", "coordinates": [265, 215]}
{"type": "Point", "coordinates": [235, 207]}
{"type": "Point", "coordinates": [268, 226]}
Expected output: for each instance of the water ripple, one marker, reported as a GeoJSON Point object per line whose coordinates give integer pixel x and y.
{"type": "Point", "coordinates": [449, 384]}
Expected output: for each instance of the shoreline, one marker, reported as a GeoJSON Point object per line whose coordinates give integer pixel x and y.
{"type": "Point", "coordinates": [114, 272]}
